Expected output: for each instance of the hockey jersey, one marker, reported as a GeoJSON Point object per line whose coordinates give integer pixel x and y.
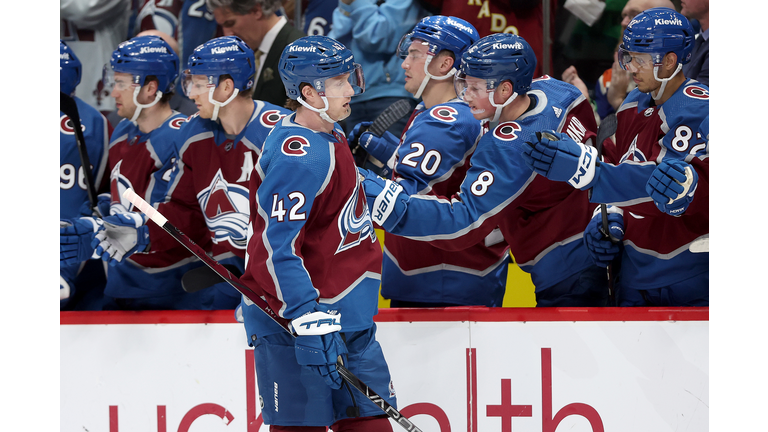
{"type": "Point", "coordinates": [143, 162]}
{"type": "Point", "coordinates": [73, 192]}
{"type": "Point", "coordinates": [311, 238]}
{"type": "Point", "coordinates": [207, 195]}
{"type": "Point", "coordinates": [432, 159]}
{"type": "Point", "coordinates": [541, 220]}
{"type": "Point", "coordinates": [658, 247]}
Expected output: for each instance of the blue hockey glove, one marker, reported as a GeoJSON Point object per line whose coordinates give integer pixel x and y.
{"type": "Point", "coordinates": [123, 234]}
{"type": "Point", "coordinates": [103, 202]}
{"type": "Point", "coordinates": [319, 344]}
{"type": "Point", "coordinates": [76, 236]}
{"type": "Point", "coordinates": [356, 131]}
{"type": "Point", "coordinates": [600, 248]}
{"type": "Point", "coordinates": [382, 148]}
{"type": "Point", "coordinates": [672, 185]}
{"type": "Point", "coordinates": [558, 157]}
{"type": "Point", "coordinates": [386, 200]}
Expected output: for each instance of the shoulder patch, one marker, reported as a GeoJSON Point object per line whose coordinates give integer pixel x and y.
{"type": "Point", "coordinates": [444, 113]}
{"type": "Point", "coordinates": [507, 131]}
{"type": "Point", "coordinates": [177, 122]}
{"type": "Point", "coordinates": [270, 118]}
{"type": "Point", "coordinates": [294, 146]}
{"type": "Point", "coordinates": [696, 92]}
{"type": "Point", "coordinates": [67, 127]}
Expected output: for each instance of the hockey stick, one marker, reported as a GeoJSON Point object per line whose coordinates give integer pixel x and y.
{"type": "Point", "coordinates": [233, 280]}
{"type": "Point", "coordinates": [203, 277]}
{"type": "Point", "coordinates": [68, 106]}
{"type": "Point", "coordinates": [381, 123]}
{"type": "Point", "coordinates": [606, 129]}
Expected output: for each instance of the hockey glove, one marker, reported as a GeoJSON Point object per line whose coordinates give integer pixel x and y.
{"type": "Point", "coordinates": [102, 206]}
{"type": "Point", "coordinates": [386, 200]}
{"type": "Point", "coordinates": [558, 157]}
{"type": "Point", "coordinates": [672, 185]}
{"type": "Point", "coordinates": [76, 236]}
{"type": "Point", "coordinates": [123, 234]}
{"type": "Point", "coordinates": [356, 131]}
{"type": "Point", "coordinates": [382, 148]}
{"type": "Point", "coordinates": [600, 248]}
{"type": "Point", "coordinates": [319, 344]}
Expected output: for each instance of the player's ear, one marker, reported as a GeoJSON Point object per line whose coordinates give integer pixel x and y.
{"type": "Point", "coordinates": [670, 61]}
{"type": "Point", "coordinates": [150, 87]}
{"type": "Point", "coordinates": [446, 63]}
{"type": "Point", "coordinates": [308, 93]}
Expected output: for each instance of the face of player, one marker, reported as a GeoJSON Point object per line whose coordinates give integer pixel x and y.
{"type": "Point", "coordinates": [123, 94]}
{"type": "Point", "coordinates": [198, 91]}
{"type": "Point", "coordinates": [640, 65]}
{"type": "Point", "coordinates": [413, 64]}
{"type": "Point", "coordinates": [339, 92]}
{"type": "Point", "coordinates": [476, 96]}
{"type": "Point", "coordinates": [247, 27]}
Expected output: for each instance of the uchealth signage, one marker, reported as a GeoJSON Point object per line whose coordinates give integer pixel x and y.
{"type": "Point", "coordinates": [457, 369]}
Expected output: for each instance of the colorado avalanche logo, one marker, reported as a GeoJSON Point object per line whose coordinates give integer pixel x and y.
{"type": "Point", "coordinates": [696, 92]}
{"type": "Point", "coordinates": [355, 221]}
{"type": "Point", "coordinates": [118, 184]}
{"type": "Point", "coordinates": [269, 118]}
{"type": "Point", "coordinates": [176, 123]}
{"type": "Point", "coordinates": [506, 131]}
{"type": "Point", "coordinates": [633, 153]}
{"type": "Point", "coordinates": [444, 113]}
{"type": "Point", "coordinates": [294, 146]}
{"type": "Point", "coordinates": [67, 127]}
{"type": "Point", "coordinates": [226, 211]}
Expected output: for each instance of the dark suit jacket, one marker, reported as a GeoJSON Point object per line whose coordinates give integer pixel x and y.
{"type": "Point", "coordinates": [269, 86]}
{"type": "Point", "coordinates": [698, 67]}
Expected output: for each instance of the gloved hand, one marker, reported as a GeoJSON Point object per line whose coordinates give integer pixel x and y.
{"type": "Point", "coordinates": [123, 234]}
{"type": "Point", "coordinates": [558, 157]}
{"type": "Point", "coordinates": [356, 131]}
{"type": "Point", "coordinates": [75, 236]}
{"type": "Point", "coordinates": [386, 200]}
{"type": "Point", "coordinates": [600, 248]}
{"type": "Point", "coordinates": [672, 185]}
{"type": "Point", "coordinates": [319, 344]}
{"type": "Point", "coordinates": [382, 148]}
{"type": "Point", "coordinates": [103, 202]}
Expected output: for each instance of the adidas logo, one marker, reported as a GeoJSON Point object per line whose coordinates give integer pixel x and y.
{"type": "Point", "coordinates": [558, 111]}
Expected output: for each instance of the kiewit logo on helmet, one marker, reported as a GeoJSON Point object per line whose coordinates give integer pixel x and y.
{"type": "Point", "coordinates": [675, 21]}
{"type": "Point", "coordinates": [64, 56]}
{"type": "Point", "coordinates": [222, 50]}
{"type": "Point", "coordinates": [302, 49]}
{"type": "Point", "coordinates": [516, 45]}
{"type": "Point", "coordinates": [146, 50]}
{"type": "Point", "coordinates": [460, 26]}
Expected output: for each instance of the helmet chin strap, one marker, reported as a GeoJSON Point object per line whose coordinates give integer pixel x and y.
{"type": "Point", "coordinates": [428, 76]}
{"type": "Point", "coordinates": [499, 107]}
{"type": "Point", "coordinates": [217, 104]}
{"type": "Point", "coordinates": [663, 81]}
{"type": "Point", "coordinates": [322, 111]}
{"type": "Point", "coordinates": [139, 106]}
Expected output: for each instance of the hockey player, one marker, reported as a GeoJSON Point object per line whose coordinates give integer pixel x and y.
{"type": "Point", "coordinates": [207, 194]}
{"type": "Point", "coordinates": [658, 138]}
{"type": "Point", "coordinates": [431, 158]}
{"type": "Point", "coordinates": [541, 220]}
{"type": "Point", "coordinates": [141, 77]}
{"type": "Point", "coordinates": [313, 253]}
{"type": "Point", "coordinates": [73, 192]}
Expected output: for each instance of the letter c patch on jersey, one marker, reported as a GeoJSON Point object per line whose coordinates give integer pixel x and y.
{"type": "Point", "coordinates": [176, 123]}
{"type": "Point", "coordinates": [270, 118]}
{"type": "Point", "coordinates": [696, 92]}
{"type": "Point", "coordinates": [294, 146]}
{"type": "Point", "coordinates": [67, 127]}
{"type": "Point", "coordinates": [506, 131]}
{"type": "Point", "coordinates": [444, 113]}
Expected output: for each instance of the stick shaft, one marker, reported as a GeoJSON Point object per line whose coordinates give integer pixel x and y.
{"type": "Point", "coordinates": [68, 106]}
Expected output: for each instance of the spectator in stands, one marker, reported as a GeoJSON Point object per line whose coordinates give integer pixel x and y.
{"type": "Point", "coordinates": [372, 31]}
{"type": "Point", "coordinates": [265, 32]}
{"type": "Point", "coordinates": [698, 67]}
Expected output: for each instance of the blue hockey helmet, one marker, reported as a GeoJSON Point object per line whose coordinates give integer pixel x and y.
{"type": "Point", "coordinates": [70, 69]}
{"type": "Point", "coordinates": [657, 31]}
{"type": "Point", "coordinates": [312, 60]}
{"type": "Point", "coordinates": [497, 58]}
{"type": "Point", "coordinates": [226, 55]}
{"type": "Point", "coordinates": [145, 56]}
{"type": "Point", "coordinates": [441, 33]}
